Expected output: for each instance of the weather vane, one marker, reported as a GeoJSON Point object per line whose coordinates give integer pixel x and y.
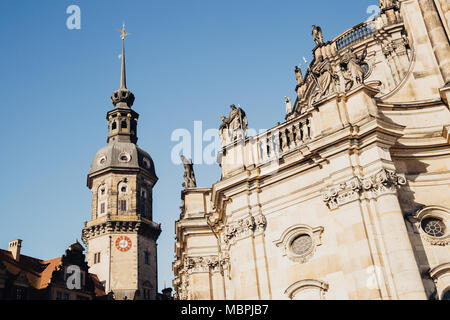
{"type": "Point", "coordinates": [123, 32]}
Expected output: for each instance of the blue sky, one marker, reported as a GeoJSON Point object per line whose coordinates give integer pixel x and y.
{"type": "Point", "coordinates": [186, 61]}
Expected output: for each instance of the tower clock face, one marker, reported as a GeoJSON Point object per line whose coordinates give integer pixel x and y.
{"type": "Point", "coordinates": [123, 243]}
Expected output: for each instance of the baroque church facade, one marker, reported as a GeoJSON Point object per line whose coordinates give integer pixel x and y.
{"type": "Point", "coordinates": [349, 197]}
{"type": "Point", "coordinates": [121, 235]}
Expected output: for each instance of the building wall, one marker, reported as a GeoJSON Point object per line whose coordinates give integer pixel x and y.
{"type": "Point", "coordinates": [355, 173]}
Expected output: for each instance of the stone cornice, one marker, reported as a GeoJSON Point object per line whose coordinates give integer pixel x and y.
{"type": "Point", "coordinates": [384, 181]}
{"type": "Point", "coordinates": [117, 225]}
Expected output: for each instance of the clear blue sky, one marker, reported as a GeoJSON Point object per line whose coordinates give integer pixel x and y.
{"type": "Point", "coordinates": [186, 61]}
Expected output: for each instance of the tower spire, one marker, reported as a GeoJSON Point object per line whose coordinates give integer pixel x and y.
{"type": "Point", "coordinates": [123, 76]}
{"type": "Point", "coordinates": [123, 98]}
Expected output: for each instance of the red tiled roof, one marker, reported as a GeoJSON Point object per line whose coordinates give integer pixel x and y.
{"type": "Point", "coordinates": [39, 272]}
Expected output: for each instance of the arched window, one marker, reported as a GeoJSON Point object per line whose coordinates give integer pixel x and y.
{"type": "Point", "coordinates": [114, 126]}
{"type": "Point", "coordinates": [307, 290]}
{"type": "Point", "coordinates": [446, 295]}
{"type": "Point", "coordinates": [102, 196]}
{"type": "Point", "coordinates": [124, 124]}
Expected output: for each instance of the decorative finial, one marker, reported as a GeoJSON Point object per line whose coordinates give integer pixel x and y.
{"type": "Point", "coordinates": [124, 34]}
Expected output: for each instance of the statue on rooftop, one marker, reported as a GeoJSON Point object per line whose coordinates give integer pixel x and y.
{"type": "Point", "coordinates": [317, 35]}
{"type": "Point", "coordinates": [298, 75]}
{"type": "Point", "coordinates": [189, 175]}
{"type": "Point", "coordinates": [324, 77]}
{"type": "Point", "coordinates": [287, 102]}
{"type": "Point", "coordinates": [352, 67]}
{"type": "Point", "coordinates": [234, 127]}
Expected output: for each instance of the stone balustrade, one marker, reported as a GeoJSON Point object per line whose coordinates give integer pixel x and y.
{"type": "Point", "coordinates": [269, 145]}
{"type": "Point", "coordinates": [284, 138]}
{"type": "Point", "coordinates": [358, 33]}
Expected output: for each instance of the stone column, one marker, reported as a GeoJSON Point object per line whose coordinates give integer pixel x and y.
{"type": "Point", "coordinates": [401, 259]}
{"type": "Point", "coordinates": [438, 38]}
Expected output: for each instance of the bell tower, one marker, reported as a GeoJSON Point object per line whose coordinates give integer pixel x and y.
{"type": "Point", "coordinates": [121, 235]}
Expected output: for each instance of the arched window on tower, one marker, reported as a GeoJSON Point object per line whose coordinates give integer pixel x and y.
{"type": "Point", "coordinates": [102, 196]}
{"type": "Point", "coordinates": [144, 197]}
{"type": "Point", "coordinates": [114, 126]}
{"type": "Point", "coordinates": [124, 125]}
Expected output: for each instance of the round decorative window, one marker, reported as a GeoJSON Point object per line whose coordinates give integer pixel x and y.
{"type": "Point", "coordinates": [433, 227]}
{"type": "Point", "coordinates": [102, 160]}
{"type": "Point", "coordinates": [302, 244]}
{"type": "Point", "coordinates": [124, 157]}
{"type": "Point", "coordinates": [146, 163]}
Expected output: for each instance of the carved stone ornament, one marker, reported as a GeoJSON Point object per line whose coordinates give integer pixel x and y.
{"type": "Point", "coordinates": [299, 242]}
{"type": "Point", "coordinates": [244, 228]}
{"type": "Point", "coordinates": [384, 181]}
{"type": "Point", "coordinates": [438, 213]}
{"type": "Point", "coordinates": [342, 193]}
{"type": "Point", "coordinates": [204, 264]}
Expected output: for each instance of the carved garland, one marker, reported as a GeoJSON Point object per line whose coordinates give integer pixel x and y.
{"type": "Point", "coordinates": [382, 182]}
{"type": "Point", "coordinates": [244, 228]}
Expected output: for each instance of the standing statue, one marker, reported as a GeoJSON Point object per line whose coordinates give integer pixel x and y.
{"type": "Point", "coordinates": [324, 78]}
{"type": "Point", "coordinates": [287, 102]}
{"type": "Point", "coordinates": [298, 75]}
{"type": "Point", "coordinates": [352, 67]}
{"type": "Point", "coordinates": [234, 127]}
{"type": "Point", "coordinates": [317, 35]}
{"type": "Point", "coordinates": [189, 175]}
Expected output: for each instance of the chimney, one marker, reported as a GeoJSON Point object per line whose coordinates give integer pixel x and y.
{"type": "Point", "coordinates": [14, 247]}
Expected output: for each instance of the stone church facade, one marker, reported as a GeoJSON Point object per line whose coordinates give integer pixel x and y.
{"type": "Point", "coordinates": [349, 198]}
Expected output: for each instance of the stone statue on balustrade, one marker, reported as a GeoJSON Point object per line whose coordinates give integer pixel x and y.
{"type": "Point", "coordinates": [288, 103]}
{"type": "Point", "coordinates": [300, 81]}
{"type": "Point", "coordinates": [234, 127]}
{"type": "Point", "coordinates": [353, 68]}
{"type": "Point", "coordinates": [317, 35]}
{"type": "Point", "coordinates": [189, 175]}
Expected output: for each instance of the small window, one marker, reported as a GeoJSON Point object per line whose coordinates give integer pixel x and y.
{"type": "Point", "coordinates": [21, 293]}
{"type": "Point", "coordinates": [66, 296]}
{"type": "Point", "coordinates": [102, 208]}
{"type": "Point", "coordinates": [97, 258]}
{"type": "Point", "coordinates": [146, 257]}
{"type": "Point", "coordinates": [123, 189]}
{"type": "Point", "coordinates": [58, 295]}
{"type": "Point", "coordinates": [123, 205]}
{"type": "Point", "coordinates": [114, 126]}
{"type": "Point", "coordinates": [124, 124]}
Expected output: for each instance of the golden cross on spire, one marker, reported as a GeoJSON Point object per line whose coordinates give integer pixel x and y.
{"type": "Point", "coordinates": [123, 32]}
